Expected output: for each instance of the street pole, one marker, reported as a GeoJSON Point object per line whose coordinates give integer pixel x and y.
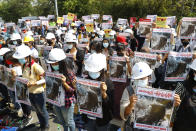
{"type": "Point", "coordinates": [56, 7]}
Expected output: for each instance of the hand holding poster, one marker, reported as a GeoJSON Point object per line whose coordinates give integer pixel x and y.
{"type": "Point", "coordinates": [160, 41]}
{"type": "Point", "coordinates": [89, 97]}
{"type": "Point", "coordinates": [9, 82]}
{"type": "Point", "coordinates": [118, 69]}
{"type": "Point", "coordinates": [177, 66]}
{"type": "Point", "coordinates": [55, 92]}
{"type": "Point", "coordinates": [60, 20]}
{"type": "Point", "coordinates": [188, 28]}
{"type": "Point", "coordinates": [153, 109]}
{"type": "Point", "coordinates": [161, 22]}
{"type": "Point", "coordinates": [22, 92]}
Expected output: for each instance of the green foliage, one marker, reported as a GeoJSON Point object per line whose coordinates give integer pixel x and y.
{"type": "Point", "coordinates": [11, 10]}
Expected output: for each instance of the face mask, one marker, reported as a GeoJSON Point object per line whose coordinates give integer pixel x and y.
{"type": "Point", "coordinates": [100, 36]}
{"type": "Point", "coordinates": [94, 75]}
{"type": "Point", "coordinates": [105, 45]}
{"type": "Point", "coordinates": [93, 35]}
{"type": "Point", "coordinates": [69, 46]}
{"type": "Point", "coordinates": [185, 43]}
{"type": "Point", "coordinates": [93, 51]}
{"type": "Point", "coordinates": [111, 37]}
{"type": "Point", "coordinates": [141, 83]}
{"type": "Point", "coordinates": [55, 67]}
{"type": "Point", "coordinates": [22, 61]}
{"type": "Point", "coordinates": [1, 58]}
{"type": "Point", "coordinates": [1, 42]}
{"type": "Point", "coordinates": [194, 90]}
{"type": "Point", "coordinates": [15, 42]}
{"type": "Point", "coordinates": [42, 41]}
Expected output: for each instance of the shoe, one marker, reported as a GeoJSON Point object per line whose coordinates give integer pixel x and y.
{"type": "Point", "coordinates": [27, 120]}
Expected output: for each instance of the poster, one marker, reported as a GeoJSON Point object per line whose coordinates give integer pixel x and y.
{"type": "Point", "coordinates": [2, 74]}
{"type": "Point", "coordinates": [95, 16]}
{"type": "Point", "coordinates": [106, 26]}
{"type": "Point", "coordinates": [161, 22]}
{"type": "Point", "coordinates": [177, 66]}
{"type": "Point", "coordinates": [9, 82]}
{"type": "Point", "coordinates": [124, 34]}
{"type": "Point", "coordinates": [35, 23]}
{"type": "Point", "coordinates": [60, 20]}
{"type": "Point", "coordinates": [153, 109]}
{"type": "Point", "coordinates": [70, 16]}
{"type": "Point", "coordinates": [87, 17]}
{"type": "Point", "coordinates": [152, 17]}
{"type": "Point", "coordinates": [55, 92]}
{"type": "Point", "coordinates": [132, 21]}
{"type": "Point", "coordinates": [117, 68]}
{"type": "Point", "coordinates": [188, 28]}
{"type": "Point", "coordinates": [160, 41]}
{"type": "Point", "coordinates": [107, 31]}
{"type": "Point", "coordinates": [144, 28]}
{"type": "Point", "coordinates": [171, 20]}
{"type": "Point", "coordinates": [21, 90]}
{"type": "Point", "coordinates": [43, 64]}
{"type": "Point", "coordinates": [106, 17]}
{"type": "Point", "coordinates": [45, 22]}
{"type": "Point", "coordinates": [51, 17]}
{"type": "Point", "coordinates": [89, 97]}
{"type": "Point", "coordinates": [90, 27]}
{"type": "Point", "coordinates": [40, 50]}
{"type": "Point", "coordinates": [46, 51]}
{"type": "Point", "coordinates": [122, 22]}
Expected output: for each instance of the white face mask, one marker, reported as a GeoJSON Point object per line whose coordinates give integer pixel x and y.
{"type": "Point", "coordinates": [141, 83]}
{"type": "Point", "coordinates": [69, 46]}
{"type": "Point", "coordinates": [105, 45]}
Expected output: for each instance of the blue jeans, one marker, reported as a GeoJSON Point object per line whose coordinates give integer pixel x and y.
{"type": "Point", "coordinates": [38, 101]}
{"type": "Point", "coordinates": [66, 117]}
{"type": "Point", "coordinates": [92, 126]}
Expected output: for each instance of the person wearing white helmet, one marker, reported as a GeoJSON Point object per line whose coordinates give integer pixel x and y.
{"type": "Point", "coordinates": [140, 76]}
{"type": "Point", "coordinates": [95, 65]}
{"type": "Point", "coordinates": [16, 39]}
{"type": "Point", "coordinates": [71, 42]}
{"type": "Point", "coordinates": [101, 34]}
{"type": "Point", "coordinates": [35, 74]}
{"type": "Point", "coordinates": [186, 113]}
{"type": "Point", "coordinates": [2, 52]}
{"type": "Point", "coordinates": [132, 41]}
{"type": "Point", "coordinates": [51, 40]}
{"type": "Point", "coordinates": [59, 64]}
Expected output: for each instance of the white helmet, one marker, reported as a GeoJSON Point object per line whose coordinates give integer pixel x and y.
{"type": "Point", "coordinates": [22, 52]}
{"type": "Point", "coordinates": [50, 36]}
{"type": "Point", "coordinates": [101, 32]}
{"type": "Point", "coordinates": [112, 33]}
{"type": "Point", "coordinates": [95, 62]}
{"type": "Point", "coordinates": [71, 38]}
{"type": "Point", "coordinates": [56, 55]}
{"type": "Point", "coordinates": [3, 51]}
{"type": "Point", "coordinates": [193, 65]}
{"type": "Point", "coordinates": [15, 36]}
{"type": "Point", "coordinates": [59, 32]}
{"type": "Point", "coordinates": [35, 53]}
{"type": "Point", "coordinates": [71, 31]}
{"type": "Point", "coordinates": [64, 28]}
{"type": "Point", "coordinates": [141, 70]}
{"type": "Point", "coordinates": [130, 31]}
{"type": "Point", "coordinates": [29, 33]}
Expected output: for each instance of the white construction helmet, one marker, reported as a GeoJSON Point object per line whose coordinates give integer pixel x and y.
{"type": "Point", "coordinates": [35, 53]}
{"type": "Point", "coordinates": [22, 52]}
{"type": "Point", "coordinates": [71, 31]}
{"type": "Point", "coordinates": [101, 32]}
{"type": "Point", "coordinates": [141, 70]}
{"type": "Point", "coordinates": [56, 55]}
{"type": "Point", "coordinates": [3, 51]}
{"type": "Point", "coordinates": [193, 65]}
{"type": "Point", "coordinates": [130, 31]}
{"type": "Point", "coordinates": [59, 32]}
{"type": "Point", "coordinates": [95, 62]}
{"type": "Point", "coordinates": [15, 36]}
{"type": "Point", "coordinates": [29, 33]}
{"type": "Point", "coordinates": [50, 36]}
{"type": "Point", "coordinates": [71, 38]}
{"type": "Point", "coordinates": [112, 33]}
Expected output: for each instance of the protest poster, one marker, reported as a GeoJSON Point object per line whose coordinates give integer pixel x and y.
{"type": "Point", "coordinates": [82, 45]}
{"type": "Point", "coordinates": [161, 22]}
{"type": "Point", "coordinates": [45, 22]}
{"type": "Point", "coordinates": [90, 27]}
{"type": "Point", "coordinates": [35, 23]}
{"type": "Point", "coordinates": [107, 31]}
{"type": "Point", "coordinates": [89, 21]}
{"type": "Point", "coordinates": [152, 17]}
{"type": "Point", "coordinates": [78, 23]}
{"type": "Point", "coordinates": [60, 20]}
{"type": "Point", "coordinates": [177, 66]}
{"type": "Point", "coordinates": [95, 16]}
{"type": "Point", "coordinates": [40, 50]}
{"type": "Point", "coordinates": [117, 68]}
{"type": "Point", "coordinates": [46, 51]}
{"type": "Point", "coordinates": [51, 17]}
{"type": "Point", "coordinates": [132, 21]}
{"type": "Point", "coordinates": [2, 74]}
{"type": "Point", "coordinates": [171, 20]}
{"type": "Point", "coordinates": [188, 28]}
{"type": "Point", "coordinates": [122, 22]}
{"type": "Point", "coordinates": [21, 90]}
{"type": "Point", "coordinates": [9, 81]}
{"type": "Point", "coordinates": [144, 28]}
{"type": "Point", "coordinates": [89, 97]}
{"type": "Point", "coordinates": [106, 17]}
{"type": "Point", "coordinates": [10, 24]}
{"type": "Point", "coordinates": [55, 92]}
{"type": "Point", "coordinates": [70, 16]}
{"type": "Point", "coordinates": [43, 63]}
{"type": "Point", "coordinates": [87, 17]}
{"type": "Point", "coordinates": [124, 34]}
{"type": "Point", "coordinates": [160, 41]}
{"type": "Point", "coordinates": [106, 26]}
{"type": "Point", "coordinates": [154, 108]}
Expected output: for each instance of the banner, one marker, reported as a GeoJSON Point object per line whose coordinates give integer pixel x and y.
{"type": "Point", "coordinates": [89, 97]}
{"type": "Point", "coordinates": [154, 108]}
{"type": "Point", "coordinates": [161, 22]}
{"type": "Point", "coordinates": [160, 41]}
{"type": "Point", "coordinates": [117, 68]}
{"type": "Point", "coordinates": [188, 28]}
{"type": "Point", "coordinates": [21, 90]}
{"type": "Point", "coordinates": [60, 20]}
{"type": "Point", "coordinates": [177, 66]}
{"type": "Point", "coordinates": [90, 27]}
{"type": "Point", "coordinates": [55, 92]}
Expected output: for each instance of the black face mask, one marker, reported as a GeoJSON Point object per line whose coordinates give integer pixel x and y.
{"type": "Point", "coordinates": [185, 43]}
{"type": "Point", "coordinates": [49, 42]}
